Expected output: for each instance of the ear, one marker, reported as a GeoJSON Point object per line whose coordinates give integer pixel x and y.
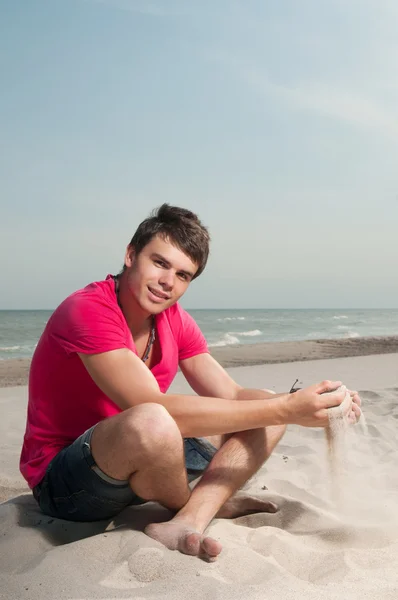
{"type": "Point", "coordinates": [129, 256]}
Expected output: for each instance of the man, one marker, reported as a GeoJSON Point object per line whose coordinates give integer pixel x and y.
{"type": "Point", "coordinates": [102, 433]}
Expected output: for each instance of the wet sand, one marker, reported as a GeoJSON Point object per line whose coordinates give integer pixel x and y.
{"type": "Point", "coordinates": [15, 372]}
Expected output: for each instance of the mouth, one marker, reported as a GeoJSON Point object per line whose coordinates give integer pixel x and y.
{"type": "Point", "coordinates": [159, 294]}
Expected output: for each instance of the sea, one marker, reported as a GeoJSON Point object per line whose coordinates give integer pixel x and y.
{"type": "Point", "coordinates": [20, 330]}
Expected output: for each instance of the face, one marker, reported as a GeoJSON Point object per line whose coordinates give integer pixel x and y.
{"type": "Point", "coordinates": [159, 275]}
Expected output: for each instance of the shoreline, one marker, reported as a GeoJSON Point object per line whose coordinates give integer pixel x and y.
{"type": "Point", "coordinates": [296, 351]}
{"type": "Point", "coordinates": [15, 372]}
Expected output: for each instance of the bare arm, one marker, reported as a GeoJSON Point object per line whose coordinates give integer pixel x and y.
{"type": "Point", "coordinates": [122, 376]}
{"type": "Point", "coordinates": [208, 378]}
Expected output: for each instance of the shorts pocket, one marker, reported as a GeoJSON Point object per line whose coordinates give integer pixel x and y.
{"type": "Point", "coordinates": [81, 506]}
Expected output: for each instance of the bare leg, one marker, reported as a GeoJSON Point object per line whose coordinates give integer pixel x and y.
{"type": "Point", "coordinates": [237, 460]}
{"type": "Point", "coordinates": [144, 445]}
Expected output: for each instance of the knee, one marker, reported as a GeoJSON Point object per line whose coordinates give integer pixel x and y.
{"type": "Point", "coordinates": [152, 427]}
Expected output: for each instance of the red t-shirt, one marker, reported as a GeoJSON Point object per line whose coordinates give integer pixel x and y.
{"type": "Point", "coordinates": [63, 399]}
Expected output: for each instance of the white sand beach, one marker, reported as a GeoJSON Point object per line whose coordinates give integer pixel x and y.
{"type": "Point", "coordinates": [310, 549]}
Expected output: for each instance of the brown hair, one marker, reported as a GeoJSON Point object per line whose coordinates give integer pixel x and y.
{"type": "Point", "coordinates": [182, 227]}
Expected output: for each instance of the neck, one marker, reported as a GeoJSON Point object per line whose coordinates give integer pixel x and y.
{"type": "Point", "coordinates": [137, 320]}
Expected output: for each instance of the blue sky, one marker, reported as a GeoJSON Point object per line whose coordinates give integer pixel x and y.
{"type": "Point", "coordinates": [276, 121]}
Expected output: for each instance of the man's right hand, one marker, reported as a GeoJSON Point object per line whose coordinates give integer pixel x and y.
{"type": "Point", "coordinates": [308, 407]}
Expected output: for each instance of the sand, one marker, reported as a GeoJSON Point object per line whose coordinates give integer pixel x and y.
{"type": "Point", "coordinates": [309, 549]}
{"type": "Point", "coordinates": [336, 435]}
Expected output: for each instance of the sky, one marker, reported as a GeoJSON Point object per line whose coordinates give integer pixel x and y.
{"type": "Point", "coordinates": [277, 122]}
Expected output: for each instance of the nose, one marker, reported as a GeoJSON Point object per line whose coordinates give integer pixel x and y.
{"type": "Point", "coordinates": [166, 280]}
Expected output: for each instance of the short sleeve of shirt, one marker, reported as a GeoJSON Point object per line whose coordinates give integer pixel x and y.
{"type": "Point", "coordinates": [89, 324]}
{"type": "Point", "coordinates": [191, 340]}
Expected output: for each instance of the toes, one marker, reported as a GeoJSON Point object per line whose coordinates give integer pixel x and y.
{"type": "Point", "coordinates": [262, 506]}
{"type": "Point", "coordinates": [267, 506]}
{"type": "Point", "coordinates": [210, 549]}
{"type": "Point", "coordinates": [272, 507]}
{"type": "Point", "coordinates": [242, 506]}
{"type": "Point", "coordinates": [185, 540]}
{"type": "Point", "coordinates": [191, 544]}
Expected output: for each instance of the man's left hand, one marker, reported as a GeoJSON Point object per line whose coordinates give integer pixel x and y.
{"type": "Point", "coordinates": [356, 412]}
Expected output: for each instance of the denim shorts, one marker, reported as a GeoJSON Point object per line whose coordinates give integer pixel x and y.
{"type": "Point", "coordinates": [75, 488]}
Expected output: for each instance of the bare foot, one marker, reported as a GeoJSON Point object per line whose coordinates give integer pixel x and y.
{"type": "Point", "coordinates": [242, 504]}
{"type": "Point", "coordinates": [177, 535]}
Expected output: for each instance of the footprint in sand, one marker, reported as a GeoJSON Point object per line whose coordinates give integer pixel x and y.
{"type": "Point", "coordinates": [147, 565]}
{"type": "Point", "coordinates": [143, 566]}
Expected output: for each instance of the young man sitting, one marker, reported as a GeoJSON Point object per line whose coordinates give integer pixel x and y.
{"type": "Point", "coordinates": [103, 434]}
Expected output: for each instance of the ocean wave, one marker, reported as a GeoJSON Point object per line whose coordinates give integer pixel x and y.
{"type": "Point", "coordinates": [353, 334]}
{"type": "Point", "coordinates": [232, 319]}
{"type": "Point", "coordinates": [246, 333]}
{"type": "Point", "coordinates": [10, 348]}
{"type": "Point", "coordinates": [342, 327]}
{"type": "Point", "coordinates": [340, 317]}
{"type": "Point", "coordinates": [228, 340]}
{"type": "Point", "coordinates": [18, 349]}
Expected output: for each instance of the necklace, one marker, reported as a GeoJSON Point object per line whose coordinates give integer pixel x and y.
{"type": "Point", "coordinates": [152, 335]}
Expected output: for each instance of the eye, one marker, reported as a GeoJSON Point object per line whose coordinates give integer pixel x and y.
{"type": "Point", "coordinates": [183, 276]}
{"type": "Point", "coordinates": [159, 262]}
